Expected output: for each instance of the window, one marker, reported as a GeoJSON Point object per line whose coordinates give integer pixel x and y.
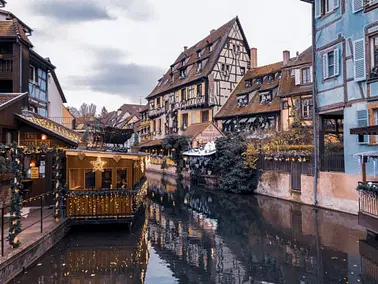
{"type": "Point", "coordinates": [32, 74]}
{"type": "Point", "coordinates": [184, 123]}
{"type": "Point", "coordinates": [306, 76]}
{"type": "Point", "coordinates": [362, 121]}
{"type": "Point", "coordinates": [183, 73]}
{"type": "Point", "coordinates": [242, 100]}
{"type": "Point", "coordinates": [199, 53]}
{"type": "Point", "coordinates": [306, 108]}
{"type": "Point", "coordinates": [292, 73]}
{"type": "Point", "coordinates": [199, 66]}
{"type": "Point", "coordinates": [374, 56]}
{"type": "Point", "coordinates": [166, 106]}
{"type": "Point", "coordinates": [223, 68]}
{"type": "Point", "coordinates": [172, 77]}
{"type": "Point", "coordinates": [242, 71]}
{"type": "Point", "coordinates": [323, 7]}
{"type": "Point", "coordinates": [159, 124]}
{"type": "Point", "coordinates": [158, 102]}
{"type": "Point", "coordinates": [90, 179]}
{"type": "Point", "coordinates": [199, 90]}
{"type": "Point", "coordinates": [331, 64]}
{"type": "Point", "coordinates": [205, 116]}
{"type": "Point", "coordinates": [121, 178]}
{"type": "Point", "coordinates": [248, 83]}
{"type": "Point", "coordinates": [154, 125]}
{"type": "Point", "coordinates": [183, 95]}
{"type": "Point", "coordinates": [259, 81]}
{"type": "Point", "coordinates": [106, 179]}
{"type": "Point", "coordinates": [265, 98]}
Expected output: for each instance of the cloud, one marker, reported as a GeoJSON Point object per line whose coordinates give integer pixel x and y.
{"type": "Point", "coordinates": [112, 76]}
{"type": "Point", "coordinates": [69, 11]}
{"type": "Point", "coordinates": [73, 11]}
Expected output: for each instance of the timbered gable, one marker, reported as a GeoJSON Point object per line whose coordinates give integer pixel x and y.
{"type": "Point", "coordinates": [230, 68]}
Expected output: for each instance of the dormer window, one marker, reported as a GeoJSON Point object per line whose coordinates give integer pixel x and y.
{"type": "Point", "coordinates": [243, 100]}
{"type": "Point", "coordinates": [199, 66]}
{"type": "Point", "coordinates": [265, 98]}
{"type": "Point", "coordinates": [210, 47]}
{"type": "Point", "coordinates": [172, 77]}
{"type": "Point", "coordinates": [183, 73]}
{"type": "Point", "coordinates": [183, 62]}
{"type": "Point", "coordinates": [199, 53]}
{"type": "Point", "coordinates": [259, 81]}
{"type": "Point", "coordinates": [270, 78]}
{"type": "Point", "coordinates": [248, 83]}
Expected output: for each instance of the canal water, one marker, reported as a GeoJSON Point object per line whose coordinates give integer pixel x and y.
{"type": "Point", "coordinates": [192, 235]}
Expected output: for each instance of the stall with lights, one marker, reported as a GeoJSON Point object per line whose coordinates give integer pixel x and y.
{"type": "Point", "coordinates": [105, 186]}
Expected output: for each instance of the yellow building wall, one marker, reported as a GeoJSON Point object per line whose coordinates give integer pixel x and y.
{"type": "Point", "coordinates": [66, 113]}
{"type": "Point", "coordinates": [286, 114]}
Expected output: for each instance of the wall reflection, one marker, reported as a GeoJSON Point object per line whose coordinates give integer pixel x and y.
{"type": "Point", "coordinates": [250, 239]}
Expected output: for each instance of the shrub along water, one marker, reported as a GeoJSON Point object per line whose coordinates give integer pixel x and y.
{"type": "Point", "coordinates": [236, 173]}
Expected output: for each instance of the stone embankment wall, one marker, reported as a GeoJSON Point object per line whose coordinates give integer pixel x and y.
{"type": "Point", "coordinates": [336, 191]}
{"type": "Point", "coordinates": [31, 249]}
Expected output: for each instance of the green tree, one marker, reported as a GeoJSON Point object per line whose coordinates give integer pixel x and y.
{"type": "Point", "coordinates": [177, 144]}
{"type": "Point", "coordinates": [235, 175]}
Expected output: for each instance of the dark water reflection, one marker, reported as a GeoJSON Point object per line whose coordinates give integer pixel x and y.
{"type": "Point", "coordinates": [190, 235]}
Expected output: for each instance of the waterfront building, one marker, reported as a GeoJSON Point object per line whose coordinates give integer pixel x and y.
{"type": "Point", "coordinates": [199, 81]}
{"type": "Point", "coordinates": [23, 70]}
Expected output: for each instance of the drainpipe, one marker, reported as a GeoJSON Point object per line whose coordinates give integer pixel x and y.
{"type": "Point", "coordinates": [20, 67]}
{"type": "Point", "coordinates": [314, 109]}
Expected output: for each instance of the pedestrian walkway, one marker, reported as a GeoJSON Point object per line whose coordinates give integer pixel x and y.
{"type": "Point", "coordinates": [33, 229]}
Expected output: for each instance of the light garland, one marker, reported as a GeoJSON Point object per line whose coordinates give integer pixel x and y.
{"type": "Point", "coordinates": [16, 198]}
{"type": "Point", "coordinates": [58, 189]}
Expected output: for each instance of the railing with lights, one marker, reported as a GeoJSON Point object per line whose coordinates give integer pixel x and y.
{"type": "Point", "coordinates": [105, 204]}
{"type": "Point", "coordinates": [368, 198]}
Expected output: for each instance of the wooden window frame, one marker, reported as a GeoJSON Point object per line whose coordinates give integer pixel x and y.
{"type": "Point", "coordinates": [369, 56]}
{"type": "Point", "coordinates": [309, 76]}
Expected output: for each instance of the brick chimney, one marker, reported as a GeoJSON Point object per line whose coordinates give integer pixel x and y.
{"type": "Point", "coordinates": [286, 56]}
{"type": "Point", "coordinates": [253, 57]}
{"type": "Point", "coordinates": [185, 48]}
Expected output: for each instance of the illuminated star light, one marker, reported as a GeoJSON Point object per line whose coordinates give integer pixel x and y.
{"type": "Point", "coordinates": [98, 165]}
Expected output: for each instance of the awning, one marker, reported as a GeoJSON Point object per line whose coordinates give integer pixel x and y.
{"type": "Point", "coordinates": [152, 143]}
{"type": "Point", "coordinates": [367, 130]}
{"type": "Point", "coordinates": [244, 120]}
{"type": "Point", "coordinates": [371, 154]}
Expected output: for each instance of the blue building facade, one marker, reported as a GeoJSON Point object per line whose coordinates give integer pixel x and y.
{"type": "Point", "coordinates": [346, 41]}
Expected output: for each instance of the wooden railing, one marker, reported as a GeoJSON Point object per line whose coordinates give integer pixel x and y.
{"type": "Point", "coordinates": [6, 66]}
{"type": "Point", "coordinates": [368, 202]}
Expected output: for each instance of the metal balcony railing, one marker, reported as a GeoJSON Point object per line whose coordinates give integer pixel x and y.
{"type": "Point", "coordinates": [368, 201]}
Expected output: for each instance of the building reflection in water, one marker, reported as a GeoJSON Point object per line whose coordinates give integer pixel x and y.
{"type": "Point", "coordinates": [89, 256]}
{"type": "Point", "coordinates": [220, 238]}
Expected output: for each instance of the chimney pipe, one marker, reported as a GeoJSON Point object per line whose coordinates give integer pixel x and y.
{"type": "Point", "coordinates": [297, 54]}
{"type": "Point", "coordinates": [253, 57]}
{"type": "Point", "coordinates": [286, 56]}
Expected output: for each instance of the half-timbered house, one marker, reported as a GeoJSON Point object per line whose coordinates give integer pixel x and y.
{"type": "Point", "coordinates": [254, 105]}
{"type": "Point", "coordinates": [295, 89]}
{"type": "Point", "coordinates": [199, 81]}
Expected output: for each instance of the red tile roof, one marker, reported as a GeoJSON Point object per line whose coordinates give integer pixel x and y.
{"type": "Point", "coordinates": [6, 99]}
{"type": "Point", "coordinates": [196, 128]}
{"type": "Point", "coordinates": [230, 108]}
{"type": "Point", "coordinates": [217, 39]}
{"type": "Point", "coordinates": [132, 109]}
{"type": "Point", "coordinates": [13, 28]}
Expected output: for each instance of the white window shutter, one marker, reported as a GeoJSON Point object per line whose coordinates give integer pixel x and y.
{"type": "Point", "coordinates": [311, 74]}
{"type": "Point", "coordinates": [318, 8]}
{"type": "Point", "coordinates": [297, 77]}
{"type": "Point", "coordinates": [325, 66]}
{"type": "Point", "coordinates": [359, 60]}
{"type": "Point", "coordinates": [336, 61]}
{"type": "Point", "coordinates": [357, 5]}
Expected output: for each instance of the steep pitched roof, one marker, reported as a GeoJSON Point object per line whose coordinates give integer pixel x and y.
{"type": "Point", "coordinates": [231, 108]}
{"type": "Point", "coordinates": [287, 83]}
{"type": "Point", "coordinates": [216, 39]}
{"type": "Point", "coordinates": [132, 109]}
{"type": "Point", "coordinates": [196, 128]}
{"type": "Point", "coordinates": [8, 99]}
{"type": "Point", "coordinates": [13, 28]}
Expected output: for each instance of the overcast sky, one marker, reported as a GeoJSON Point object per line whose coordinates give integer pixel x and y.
{"type": "Point", "coordinates": [112, 52]}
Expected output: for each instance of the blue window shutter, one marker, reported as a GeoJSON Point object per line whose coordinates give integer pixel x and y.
{"type": "Point", "coordinates": [359, 60]}
{"type": "Point", "coordinates": [318, 8]}
{"type": "Point", "coordinates": [357, 5]}
{"type": "Point", "coordinates": [325, 66]}
{"type": "Point", "coordinates": [336, 61]}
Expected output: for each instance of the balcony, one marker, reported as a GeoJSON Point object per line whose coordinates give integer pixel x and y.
{"type": "Point", "coordinates": [198, 101]}
{"type": "Point", "coordinates": [6, 65]}
{"type": "Point", "coordinates": [156, 112]}
{"type": "Point", "coordinates": [368, 205]}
